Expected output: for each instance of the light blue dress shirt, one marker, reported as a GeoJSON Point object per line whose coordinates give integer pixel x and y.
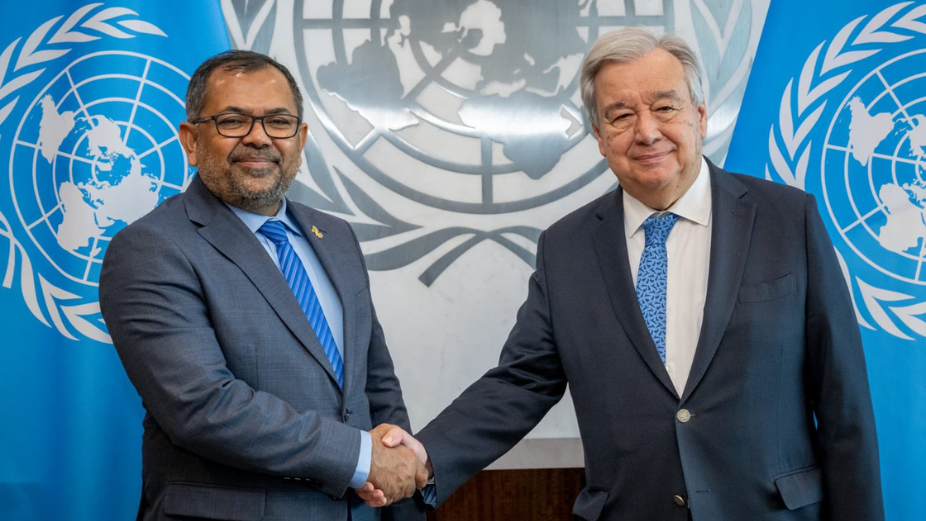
{"type": "Point", "coordinates": [327, 297]}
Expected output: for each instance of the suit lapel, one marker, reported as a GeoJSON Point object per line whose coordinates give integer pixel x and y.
{"type": "Point", "coordinates": [221, 228]}
{"type": "Point", "coordinates": [611, 249]}
{"type": "Point", "coordinates": [331, 250]}
{"type": "Point", "coordinates": [732, 230]}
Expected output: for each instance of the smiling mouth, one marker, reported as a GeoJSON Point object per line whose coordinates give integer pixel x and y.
{"type": "Point", "coordinates": [652, 158]}
{"type": "Point", "coordinates": [256, 161]}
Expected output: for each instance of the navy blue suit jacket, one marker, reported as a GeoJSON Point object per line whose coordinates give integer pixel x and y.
{"type": "Point", "coordinates": [779, 346]}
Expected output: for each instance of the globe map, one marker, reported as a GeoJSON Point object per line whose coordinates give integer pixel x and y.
{"type": "Point", "coordinates": [876, 184]}
{"type": "Point", "coordinates": [114, 189]}
{"type": "Point", "coordinates": [103, 151]}
{"type": "Point", "coordinates": [905, 202]}
{"type": "Point", "coordinates": [518, 75]}
{"type": "Point", "coordinates": [470, 107]}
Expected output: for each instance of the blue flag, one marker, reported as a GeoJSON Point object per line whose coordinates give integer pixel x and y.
{"type": "Point", "coordinates": [90, 98]}
{"type": "Point", "coordinates": [835, 105]}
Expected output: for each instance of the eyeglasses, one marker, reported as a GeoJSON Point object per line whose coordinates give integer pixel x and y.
{"type": "Point", "coordinates": [231, 124]}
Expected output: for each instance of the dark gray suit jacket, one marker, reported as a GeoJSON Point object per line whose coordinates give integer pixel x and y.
{"type": "Point", "coordinates": [779, 345]}
{"type": "Point", "coordinates": [244, 419]}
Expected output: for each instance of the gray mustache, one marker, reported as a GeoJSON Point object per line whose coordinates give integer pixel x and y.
{"type": "Point", "coordinates": [249, 156]}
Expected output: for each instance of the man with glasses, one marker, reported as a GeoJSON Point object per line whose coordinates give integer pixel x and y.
{"type": "Point", "coordinates": [700, 319]}
{"type": "Point", "coordinates": [245, 322]}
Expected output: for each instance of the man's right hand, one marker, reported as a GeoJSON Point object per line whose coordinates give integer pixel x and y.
{"type": "Point", "coordinates": [397, 436]}
{"type": "Point", "coordinates": [395, 471]}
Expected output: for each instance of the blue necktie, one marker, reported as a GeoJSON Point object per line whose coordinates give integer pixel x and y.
{"type": "Point", "coordinates": [299, 282]}
{"type": "Point", "coordinates": [652, 277]}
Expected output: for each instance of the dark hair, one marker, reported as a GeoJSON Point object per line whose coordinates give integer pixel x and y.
{"type": "Point", "coordinates": [232, 62]}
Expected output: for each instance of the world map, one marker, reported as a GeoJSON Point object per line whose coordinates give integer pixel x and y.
{"type": "Point", "coordinates": [517, 76]}
{"type": "Point", "coordinates": [905, 203]}
{"type": "Point", "coordinates": [113, 190]}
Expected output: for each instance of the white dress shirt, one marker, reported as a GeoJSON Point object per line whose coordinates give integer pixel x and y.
{"type": "Point", "coordinates": [689, 253]}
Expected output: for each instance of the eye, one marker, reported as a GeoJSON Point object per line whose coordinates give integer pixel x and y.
{"type": "Point", "coordinates": [280, 121]}
{"type": "Point", "coordinates": [624, 116]}
{"type": "Point", "coordinates": [232, 120]}
{"type": "Point", "coordinates": [665, 112]}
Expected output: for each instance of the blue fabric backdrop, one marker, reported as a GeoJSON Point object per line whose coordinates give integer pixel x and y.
{"type": "Point", "coordinates": [90, 97]}
{"type": "Point", "coordinates": [834, 106]}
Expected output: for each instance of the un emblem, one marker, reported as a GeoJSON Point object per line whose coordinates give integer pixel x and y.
{"type": "Point", "coordinates": [98, 146]}
{"type": "Point", "coordinates": [879, 136]}
{"type": "Point", "coordinates": [872, 159]}
{"type": "Point", "coordinates": [453, 123]}
{"type": "Point", "coordinates": [95, 150]}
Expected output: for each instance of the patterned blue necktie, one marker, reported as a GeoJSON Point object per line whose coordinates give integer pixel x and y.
{"type": "Point", "coordinates": [652, 277]}
{"type": "Point", "coordinates": [299, 282]}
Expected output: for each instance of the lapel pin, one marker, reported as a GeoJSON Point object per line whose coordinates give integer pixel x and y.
{"type": "Point", "coordinates": [317, 233]}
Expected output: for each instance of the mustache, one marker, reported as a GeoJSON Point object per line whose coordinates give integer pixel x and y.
{"type": "Point", "coordinates": [251, 155]}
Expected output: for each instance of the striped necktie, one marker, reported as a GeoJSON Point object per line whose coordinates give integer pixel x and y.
{"type": "Point", "coordinates": [652, 277]}
{"type": "Point", "coordinates": [299, 282]}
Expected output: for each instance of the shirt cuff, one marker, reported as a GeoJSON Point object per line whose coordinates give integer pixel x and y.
{"type": "Point", "coordinates": [429, 495]}
{"type": "Point", "coordinates": [362, 471]}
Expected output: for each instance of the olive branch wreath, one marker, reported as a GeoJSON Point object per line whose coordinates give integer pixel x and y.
{"type": "Point", "coordinates": [20, 65]}
{"type": "Point", "coordinates": [790, 148]}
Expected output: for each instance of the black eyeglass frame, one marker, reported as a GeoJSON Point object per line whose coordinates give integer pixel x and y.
{"type": "Point", "coordinates": [215, 119]}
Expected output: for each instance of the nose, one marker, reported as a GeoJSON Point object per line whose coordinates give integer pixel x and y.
{"type": "Point", "coordinates": [257, 137]}
{"type": "Point", "coordinates": [647, 131]}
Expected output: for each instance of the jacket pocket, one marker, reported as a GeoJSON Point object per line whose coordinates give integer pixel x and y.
{"type": "Point", "coordinates": [801, 488]}
{"type": "Point", "coordinates": [589, 504]}
{"type": "Point", "coordinates": [769, 290]}
{"type": "Point", "coordinates": [210, 502]}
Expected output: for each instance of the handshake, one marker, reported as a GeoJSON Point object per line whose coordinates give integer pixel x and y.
{"type": "Point", "coordinates": [399, 467]}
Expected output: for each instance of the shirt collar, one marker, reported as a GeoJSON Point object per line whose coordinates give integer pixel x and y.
{"type": "Point", "coordinates": [694, 205]}
{"type": "Point", "coordinates": [255, 220]}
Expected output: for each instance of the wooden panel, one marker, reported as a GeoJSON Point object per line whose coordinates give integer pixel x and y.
{"type": "Point", "coordinates": [513, 495]}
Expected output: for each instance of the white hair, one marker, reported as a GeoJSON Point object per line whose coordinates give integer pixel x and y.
{"type": "Point", "coordinates": [630, 44]}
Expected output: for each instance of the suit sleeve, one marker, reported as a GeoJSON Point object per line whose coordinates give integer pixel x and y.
{"type": "Point", "coordinates": [155, 309]}
{"type": "Point", "coordinates": [839, 385]}
{"type": "Point", "coordinates": [500, 408]}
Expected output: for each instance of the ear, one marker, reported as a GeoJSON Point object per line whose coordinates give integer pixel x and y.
{"type": "Point", "coordinates": [702, 123]}
{"type": "Point", "coordinates": [187, 135]}
{"type": "Point", "coordinates": [303, 136]}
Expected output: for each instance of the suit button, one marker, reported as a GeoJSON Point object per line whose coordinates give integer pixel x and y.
{"type": "Point", "coordinates": [346, 415]}
{"type": "Point", "coordinates": [683, 415]}
{"type": "Point", "coordinates": [679, 500]}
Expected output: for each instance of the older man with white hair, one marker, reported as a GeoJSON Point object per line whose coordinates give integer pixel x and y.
{"type": "Point", "coordinates": [700, 319]}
